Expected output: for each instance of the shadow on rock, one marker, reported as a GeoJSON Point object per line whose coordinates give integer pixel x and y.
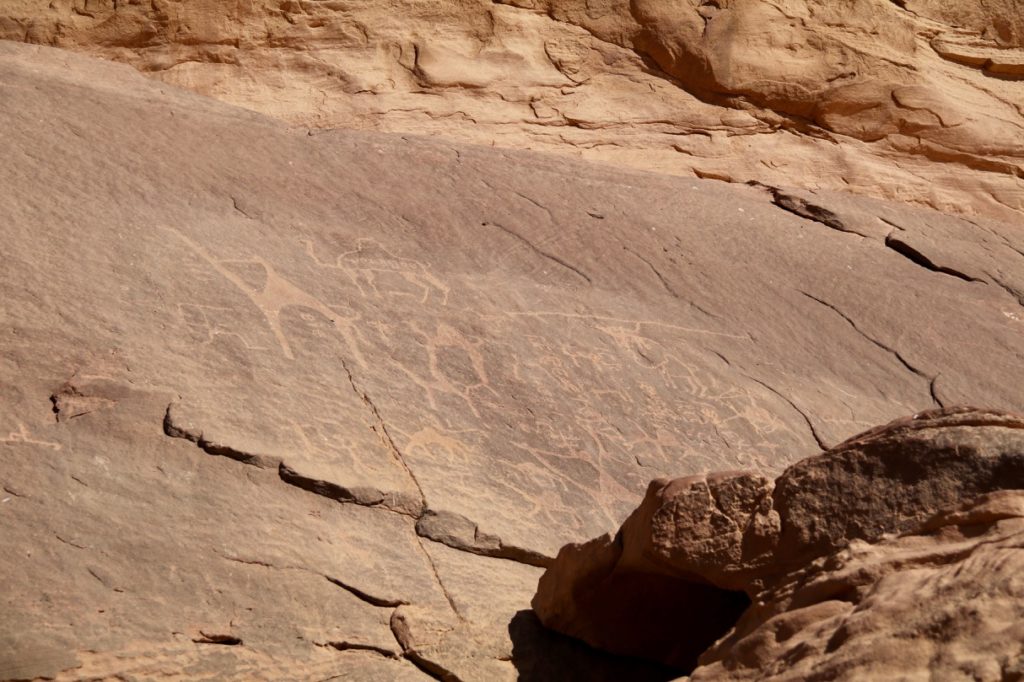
{"type": "Point", "coordinates": [542, 655]}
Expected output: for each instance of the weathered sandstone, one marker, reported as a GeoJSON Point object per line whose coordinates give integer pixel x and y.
{"type": "Point", "coordinates": [285, 403]}
{"type": "Point", "coordinates": [913, 100]}
{"type": "Point", "coordinates": [898, 552]}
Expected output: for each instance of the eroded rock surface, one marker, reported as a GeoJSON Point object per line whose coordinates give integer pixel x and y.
{"type": "Point", "coordinates": [915, 100]}
{"type": "Point", "coordinates": [898, 552]}
{"type": "Point", "coordinates": [284, 404]}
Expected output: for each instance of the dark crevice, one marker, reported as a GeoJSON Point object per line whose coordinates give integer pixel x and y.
{"type": "Point", "coordinates": [363, 496]}
{"type": "Point", "coordinates": [215, 638]}
{"type": "Point", "coordinates": [430, 668]}
{"type": "Point", "coordinates": [173, 430]}
{"type": "Point", "coordinates": [918, 258]}
{"type": "Point", "coordinates": [935, 396]}
{"type": "Point", "coordinates": [368, 598]}
{"type": "Point", "coordinates": [802, 208]}
{"type": "Point", "coordinates": [892, 224]}
{"type": "Point", "coordinates": [70, 543]}
{"type": "Point", "coordinates": [356, 646]}
{"type": "Point", "coordinates": [239, 209]}
{"type": "Point", "coordinates": [453, 530]}
{"type": "Point", "coordinates": [400, 629]}
{"type": "Point", "coordinates": [551, 218]}
{"type": "Point", "coordinates": [458, 532]}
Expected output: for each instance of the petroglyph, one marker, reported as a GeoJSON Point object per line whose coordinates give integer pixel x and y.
{"type": "Point", "coordinates": [370, 267]}
{"type": "Point", "coordinates": [276, 294]}
{"type": "Point", "coordinates": [23, 436]}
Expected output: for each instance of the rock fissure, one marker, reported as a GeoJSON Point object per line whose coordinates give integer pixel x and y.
{"type": "Point", "coordinates": [803, 415]}
{"type": "Point", "coordinates": [431, 668]}
{"type": "Point", "coordinates": [363, 496]}
{"type": "Point", "coordinates": [802, 208]}
{"type": "Point", "coordinates": [175, 430]}
{"type": "Point", "coordinates": [344, 645]}
{"type": "Point", "coordinates": [932, 389]}
{"type": "Point", "coordinates": [239, 209]}
{"type": "Point", "coordinates": [217, 638]}
{"type": "Point", "coordinates": [365, 596]}
{"type": "Point", "coordinates": [453, 530]}
{"type": "Point", "coordinates": [437, 577]}
{"type": "Point", "coordinates": [888, 349]}
{"type": "Point", "coordinates": [372, 600]}
{"type": "Point", "coordinates": [917, 258]}
{"type": "Point", "coordinates": [382, 431]}
{"type": "Point", "coordinates": [458, 532]}
{"type": "Point", "coordinates": [539, 251]}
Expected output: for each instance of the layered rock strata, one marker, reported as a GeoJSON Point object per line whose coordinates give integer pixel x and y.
{"type": "Point", "coordinates": [916, 100]}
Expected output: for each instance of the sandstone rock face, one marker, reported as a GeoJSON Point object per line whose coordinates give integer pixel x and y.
{"type": "Point", "coordinates": [914, 100]}
{"type": "Point", "coordinates": [896, 553]}
{"type": "Point", "coordinates": [278, 403]}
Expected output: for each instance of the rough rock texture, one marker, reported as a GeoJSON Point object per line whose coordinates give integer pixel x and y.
{"type": "Point", "coordinates": [916, 100]}
{"type": "Point", "coordinates": [278, 404]}
{"type": "Point", "coordinates": [899, 552]}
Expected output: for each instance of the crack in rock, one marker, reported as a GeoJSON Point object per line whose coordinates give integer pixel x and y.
{"type": "Point", "coordinates": [216, 638]}
{"type": "Point", "coordinates": [917, 258]}
{"type": "Point", "coordinates": [381, 429]}
{"type": "Point", "coordinates": [403, 633]}
{"type": "Point", "coordinates": [540, 252]}
{"type": "Point", "coordinates": [803, 208]}
{"type": "Point", "coordinates": [364, 496]}
{"type": "Point", "coordinates": [365, 596]}
{"type": "Point", "coordinates": [372, 600]}
{"type": "Point", "coordinates": [174, 429]}
{"type": "Point", "coordinates": [458, 532]}
{"type": "Point", "coordinates": [357, 646]}
{"type": "Point", "coordinates": [810, 425]}
{"type": "Point", "coordinates": [889, 349]}
{"type": "Point", "coordinates": [451, 529]}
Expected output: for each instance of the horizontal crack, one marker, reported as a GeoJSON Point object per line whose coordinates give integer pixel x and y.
{"type": "Point", "coordinates": [448, 528]}
{"type": "Point", "coordinates": [918, 258]}
{"type": "Point", "coordinates": [365, 596]}
{"type": "Point", "coordinates": [405, 504]}
{"type": "Point", "coordinates": [802, 208]}
{"type": "Point", "coordinates": [357, 646]}
{"type": "Point", "coordinates": [458, 532]}
{"type": "Point", "coordinates": [174, 430]}
{"type": "Point", "coordinates": [372, 600]}
{"type": "Point", "coordinates": [215, 638]}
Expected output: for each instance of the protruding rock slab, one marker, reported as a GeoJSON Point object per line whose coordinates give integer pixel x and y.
{"type": "Point", "coordinates": [933, 505]}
